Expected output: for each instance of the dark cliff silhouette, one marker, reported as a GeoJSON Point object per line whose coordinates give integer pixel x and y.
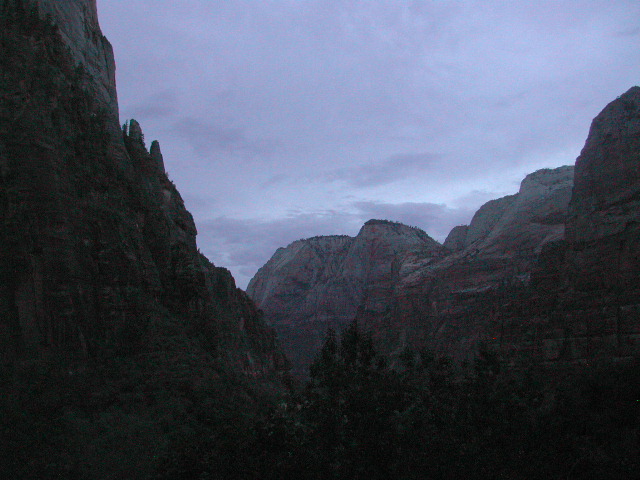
{"type": "Point", "coordinates": [123, 350]}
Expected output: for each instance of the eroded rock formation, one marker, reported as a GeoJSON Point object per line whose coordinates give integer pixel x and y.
{"type": "Point", "coordinates": [587, 286]}
{"type": "Point", "coordinates": [447, 303]}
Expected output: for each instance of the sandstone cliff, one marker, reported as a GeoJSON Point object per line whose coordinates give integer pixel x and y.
{"type": "Point", "coordinates": [77, 23]}
{"type": "Point", "coordinates": [451, 304]}
{"type": "Point", "coordinates": [99, 254]}
{"type": "Point", "coordinates": [550, 272]}
{"type": "Point", "coordinates": [587, 290]}
{"type": "Point", "coordinates": [322, 282]}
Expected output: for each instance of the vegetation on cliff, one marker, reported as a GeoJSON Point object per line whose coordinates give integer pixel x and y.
{"type": "Point", "coordinates": [356, 418]}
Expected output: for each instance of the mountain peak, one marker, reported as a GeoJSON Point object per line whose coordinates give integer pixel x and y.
{"type": "Point", "coordinates": [405, 232]}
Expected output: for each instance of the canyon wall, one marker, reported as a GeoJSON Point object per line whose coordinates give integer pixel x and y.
{"type": "Point", "coordinates": [550, 273]}
{"type": "Point", "coordinates": [99, 254]}
{"type": "Point", "coordinates": [322, 282]}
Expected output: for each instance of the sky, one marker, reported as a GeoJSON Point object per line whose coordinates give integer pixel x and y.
{"type": "Point", "coordinates": [287, 119]}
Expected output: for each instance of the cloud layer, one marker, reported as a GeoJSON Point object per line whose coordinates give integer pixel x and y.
{"type": "Point", "coordinates": [312, 116]}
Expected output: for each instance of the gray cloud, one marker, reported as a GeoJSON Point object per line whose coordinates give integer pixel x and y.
{"type": "Point", "coordinates": [207, 138]}
{"type": "Point", "coordinates": [276, 180]}
{"type": "Point", "coordinates": [161, 105]}
{"type": "Point", "coordinates": [629, 32]}
{"type": "Point", "coordinates": [396, 167]}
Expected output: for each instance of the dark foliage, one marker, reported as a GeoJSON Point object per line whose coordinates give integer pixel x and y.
{"type": "Point", "coordinates": [358, 419]}
{"type": "Point", "coordinates": [157, 418]}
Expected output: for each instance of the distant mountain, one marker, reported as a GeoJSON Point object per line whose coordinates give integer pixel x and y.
{"type": "Point", "coordinates": [322, 282]}
{"type": "Point", "coordinates": [549, 273]}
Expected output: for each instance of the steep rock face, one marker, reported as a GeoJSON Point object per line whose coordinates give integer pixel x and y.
{"type": "Point", "coordinates": [550, 273]}
{"type": "Point", "coordinates": [302, 291]}
{"type": "Point", "coordinates": [79, 29]}
{"type": "Point", "coordinates": [607, 185]}
{"type": "Point", "coordinates": [525, 221]}
{"type": "Point", "coordinates": [457, 238]}
{"type": "Point", "coordinates": [388, 265]}
{"type": "Point", "coordinates": [320, 283]}
{"type": "Point", "coordinates": [486, 218]}
{"type": "Point", "coordinates": [555, 276]}
{"type": "Point", "coordinates": [593, 276]}
{"type": "Point", "coordinates": [534, 217]}
{"type": "Point", "coordinates": [77, 21]}
{"type": "Point", "coordinates": [448, 303]}
{"type": "Point", "coordinates": [99, 254]}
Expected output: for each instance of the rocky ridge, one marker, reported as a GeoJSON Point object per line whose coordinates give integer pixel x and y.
{"type": "Point", "coordinates": [548, 273]}
{"type": "Point", "coordinates": [404, 287]}
{"type": "Point", "coordinates": [594, 302]}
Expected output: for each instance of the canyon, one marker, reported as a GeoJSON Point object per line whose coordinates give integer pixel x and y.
{"type": "Point", "coordinates": [548, 274]}
{"type": "Point", "coordinates": [124, 352]}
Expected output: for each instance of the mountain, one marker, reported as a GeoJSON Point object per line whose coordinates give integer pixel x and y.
{"type": "Point", "coordinates": [592, 275]}
{"type": "Point", "coordinates": [321, 282]}
{"type": "Point", "coordinates": [548, 273]}
{"type": "Point", "coordinates": [124, 353]}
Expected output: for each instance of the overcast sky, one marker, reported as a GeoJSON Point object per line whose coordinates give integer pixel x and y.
{"type": "Point", "coordinates": [286, 119]}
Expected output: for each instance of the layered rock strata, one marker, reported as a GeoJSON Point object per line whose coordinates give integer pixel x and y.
{"type": "Point", "coordinates": [587, 289]}
{"type": "Point", "coordinates": [402, 286]}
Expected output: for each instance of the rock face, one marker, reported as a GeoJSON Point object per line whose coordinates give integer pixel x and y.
{"type": "Point", "coordinates": [550, 273]}
{"type": "Point", "coordinates": [595, 271]}
{"type": "Point", "coordinates": [322, 282]}
{"type": "Point", "coordinates": [607, 184]}
{"type": "Point", "coordinates": [447, 303]}
{"type": "Point", "coordinates": [526, 221]}
{"type": "Point", "coordinates": [77, 21]}
{"type": "Point", "coordinates": [457, 238]}
{"type": "Point", "coordinates": [98, 254]}
{"type": "Point", "coordinates": [508, 279]}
